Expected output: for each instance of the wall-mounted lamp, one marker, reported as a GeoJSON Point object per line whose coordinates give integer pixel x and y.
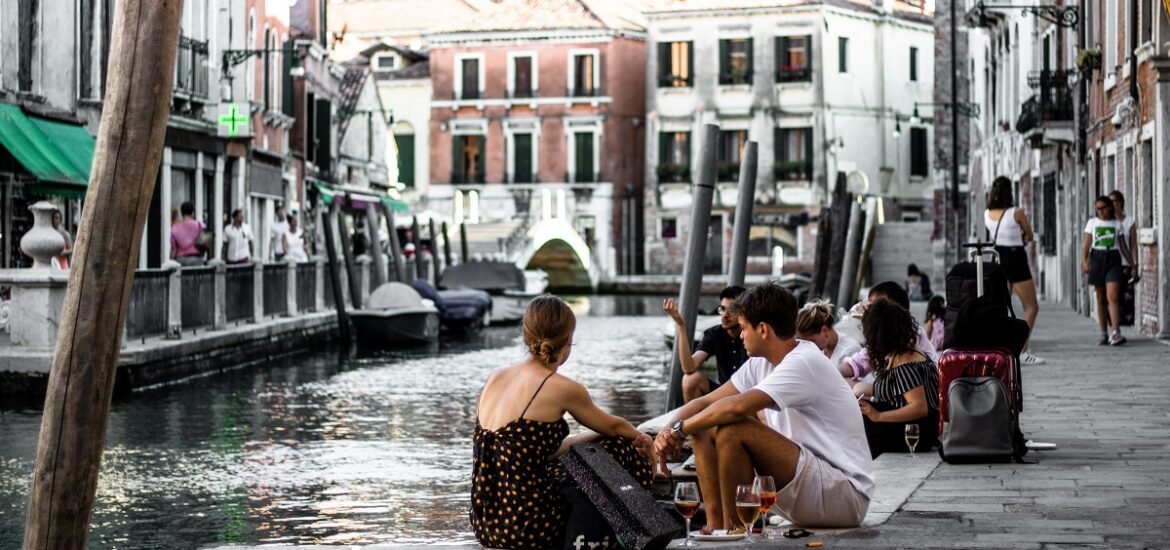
{"type": "Point", "coordinates": [897, 127]}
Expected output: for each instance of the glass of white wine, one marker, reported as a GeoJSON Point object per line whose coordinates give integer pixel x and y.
{"type": "Point", "coordinates": [912, 435]}
{"type": "Point", "coordinates": [686, 501]}
{"type": "Point", "coordinates": [747, 507]}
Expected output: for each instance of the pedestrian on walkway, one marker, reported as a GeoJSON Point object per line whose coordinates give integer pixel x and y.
{"type": "Point", "coordinates": [1010, 232]}
{"type": "Point", "coordinates": [280, 226]}
{"type": "Point", "coordinates": [720, 340]}
{"type": "Point", "coordinates": [293, 241]}
{"type": "Point", "coordinates": [917, 285]}
{"type": "Point", "coordinates": [1102, 251]}
{"type": "Point", "coordinates": [61, 261]}
{"type": "Point", "coordinates": [815, 322]}
{"type": "Point", "coordinates": [905, 386]}
{"type": "Point", "coordinates": [936, 312]}
{"type": "Point", "coordinates": [237, 244]}
{"type": "Point", "coordinates": [185, 236]}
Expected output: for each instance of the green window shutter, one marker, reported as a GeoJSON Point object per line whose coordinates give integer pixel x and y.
{"type": "Point", "coordinates": [778, 145]}
{"type": "Point", "coordinates": [457, 159]}
{"type": "Point", "coordinates": [324, 136]}
{"type": "Point", "coordinates": [664, 72]}
{"type": "Point", "coordinates": [286, 87]}
{"type": "Point", "coordinates": [405, 159]}
{"type": "Point", "coordinates": [808, 54]}
{"type": "Point", "coordinates": [664, 143]}
{"type": "Point", "coordinates": [690, 63]}
{"type": "Point", "coordinates": [724, 63]}
{"type": "Point", "coordinates": [688, 147]}
{"type": "Point", "coordinates": [918, 154]}
{"type": "Point", "coordinates": [584, 152]}
{"type": "Point", "coordinates": [751, 66]}
{"type": "Point", "coordinates": [522, 161]}
{"type": "Point", "coordinates": [481, 152]}
{"type": "Point", "coordinates": [808, 150]}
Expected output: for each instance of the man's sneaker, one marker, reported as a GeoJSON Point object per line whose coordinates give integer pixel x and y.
{"type": "Point", "coordinates": [1104, 341]}
{"type": "Point", "coordinates": [1026, 358]}
{"type": "Point", "coordinates": [1117, 339]}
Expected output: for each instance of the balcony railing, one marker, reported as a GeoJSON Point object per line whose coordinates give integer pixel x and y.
{"type": "Point", "coordinates": [670, 172]}
{"type": "Point", "coordinates": [521, 93]}
{"type": "Point", "coordinates": [149, 297]}
{"type": "Point", "coordinates": [1053, 101]}
{"type": "Point", "coordinates": [240, 292]}
{"type": "Point", "coordinates": [275, 289]}
{"type": "Point", "coordinates": [191, 68]}
{"type": "Point", "coordinates": [583, 91]}
{"type": "Point", "coordinates": [198, 289]}
{"type": "Point", "coordinates": [673, 81]}
{"type": "Point", "coordinates": [793, 73]}
{"type": "Point", "coordinates": [735, 77]}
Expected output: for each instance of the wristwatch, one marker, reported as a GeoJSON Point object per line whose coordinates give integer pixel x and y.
{"type": "Point", "coordinates": [676, 431]}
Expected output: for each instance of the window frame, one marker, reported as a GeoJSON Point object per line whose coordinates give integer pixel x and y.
{"type": "Point", "coordinates": [797, 75]}
{"type": "Point", "coordinates": [913, 63]}
{"type": "Point", "coordinates": [377, 60]}
{"type": "Point", "coordinates": [666, 74]}
{"type": "Point", "coordinates": [783, 165]}
{"type": "Point", "coordinates": [726, 77]}
{"type": "Point", "coordinates": [916, 133]}
{"type": "Point", "coordinates": [534, 72]}
{"type": "Point", "coordinates": [843, 55]}
{"type": "Point", "coordinates": [571, 77]}
{"type": "Point", "coordinates": [457, 82]}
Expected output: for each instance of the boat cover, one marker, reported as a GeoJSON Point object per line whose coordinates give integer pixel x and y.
{"type": "Point", "coordinates": [458, 306]}
{"type": "Point", "coordinates": [490, 276]}
{"type": "Point", "coordinates": [394, 296]}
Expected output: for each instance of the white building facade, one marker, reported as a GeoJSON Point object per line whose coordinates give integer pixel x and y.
{"type": "Point", "coordinates": [823, 88]}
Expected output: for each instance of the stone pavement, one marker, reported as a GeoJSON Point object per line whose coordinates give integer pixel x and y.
{"type": "Point", "coordinates": [1107, 485]}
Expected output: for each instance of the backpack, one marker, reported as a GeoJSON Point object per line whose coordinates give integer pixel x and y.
{"type": "Point", "coordinates": [961, 287]}
{"type": "Point", "coordinates": [981, 426]}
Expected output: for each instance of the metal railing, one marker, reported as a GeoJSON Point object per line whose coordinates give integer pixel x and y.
{"type": "Point", "coordinates": [275, 289]}
{"type": "Point", "coordinates": [584, 91]}
{"type": "Point", "coordinates": [307, 286]}
{"type": "Point", "coordinates": [1053, 101]}
{"type": "Point", "coordinates": [191, 68]}
{"type": "Point", "coordinates": [239, 292]}
{"type": "Point", "coordinates": [149, 301]}
{"type": "Point", "coordinates": [793, 74]}
{"type": "Point", "coordinates": [198, 296]}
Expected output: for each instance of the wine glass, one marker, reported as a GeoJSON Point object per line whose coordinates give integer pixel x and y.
{"type": "Point", "coordinates": [765, 486]}
{"type": "Point", "coordinates": [912, 434]}
{"type": "Point", "coordinates": [747, 507]}
{"type": "Point", "coordinates": [686, 501]}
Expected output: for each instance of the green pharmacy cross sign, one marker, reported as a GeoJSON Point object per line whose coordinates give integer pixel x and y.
{"type": "Point", "coordinates": [233, 120]}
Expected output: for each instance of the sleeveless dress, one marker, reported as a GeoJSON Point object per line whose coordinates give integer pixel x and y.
{"type": "Point", "coordinates": [515, 488]}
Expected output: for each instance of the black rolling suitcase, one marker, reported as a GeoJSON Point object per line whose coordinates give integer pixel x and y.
{"type": "Point", "coordinates": [971, 279]}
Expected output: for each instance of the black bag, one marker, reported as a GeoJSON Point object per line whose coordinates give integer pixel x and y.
{"type": "Point", "coordinates": [1128, 307]}
{"type": "Point", "coordinates": [586, 528]}
{"type": "Point", "coordinates": [962, 286]}
{"type": "Point", "coordinates": [981, 426]}
{"type": "Point", "coordinates": [983, 324]}
{"type": "Point", "coordinates": [637, 520]}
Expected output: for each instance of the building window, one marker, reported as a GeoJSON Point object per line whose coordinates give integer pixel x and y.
{"type": "Point", "coordinates": [675, 64]}
{"type": "Point", "coordinates": [731, 144]}
{"type": "Point", "coordinates": [1110, 38]}
{"type": "Point", "coordinates": [523, 84]}
{"type": "Point", "coordinates": [468, 157]}
{"type": "Point", "coordinates": [735, 61]}
{"type": "Point", "coordinates": [842, 54]}
{"type": "Point", "coordinates": [1048, 215]}
{"type": "Point", "coordinates": [674, 156]}
{"type": "Point", "coordinates": [522, 158]}
{"type": "Point", "coordinates": [913, 64]}
{"type": "Point", "coordinates": [385, 63]}
{"type": "Point", "coordinates": [919, 167]}
{"type": "Point", "coordinates": [793, 58]}
{"type": "Point", "coordinates": [669, 227]}
{"type": "Point", "coordinates": [405, 143]}
{"type": "Point", "coordinates": [793, 153]}
{"type": "Point", "coordinates": [583, 169]}
{"type": "Point", "coordinates": [584, 81]}
{"type": "Point", "coordinates": [468, 77]}
{"type": "Point", "coordinates": [1147, 21]}
{"type": "Point", "coordinates": [1149, 192]}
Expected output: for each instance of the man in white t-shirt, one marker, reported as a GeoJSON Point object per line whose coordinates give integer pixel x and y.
{"type": "Point", "coordinates": [813, 443]}
{"type": "Point", "coordinates": [277, 233]}
{"type": "Point", "coordinates": [237, 240]}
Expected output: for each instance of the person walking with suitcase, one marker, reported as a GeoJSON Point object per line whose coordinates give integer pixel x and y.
{"type": "Point", "coordinates": [1101, 258]}
{"type": "Point", "coordinates": [1011, 233]}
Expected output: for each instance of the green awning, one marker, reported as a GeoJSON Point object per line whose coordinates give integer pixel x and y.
{"type": "Point", "coordinates": [327, 193]}
{"type": "Point", "coordinates": [397, 205]}
{"type": "Point", "coordinates": [53, 152]}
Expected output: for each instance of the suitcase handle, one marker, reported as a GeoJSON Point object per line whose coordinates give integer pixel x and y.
{"type": "Point", "coordinates": [978, 249]}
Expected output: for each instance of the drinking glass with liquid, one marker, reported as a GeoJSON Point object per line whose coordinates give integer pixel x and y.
{"type": "Point", "coordinates": [912, 435]}
{"type": "Point", "coordinates": [686, 501]}
{"type": "Point", "coordinates": [747, 507]}
{"type": "Point", "coordinates": [765, 486]}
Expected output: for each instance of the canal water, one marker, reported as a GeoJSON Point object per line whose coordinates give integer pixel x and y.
{"type": "Point", "coordinates": [328, 447]}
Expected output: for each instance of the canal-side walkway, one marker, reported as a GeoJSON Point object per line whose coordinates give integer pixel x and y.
{"type": "Point", "coordinates": [1106, 486]}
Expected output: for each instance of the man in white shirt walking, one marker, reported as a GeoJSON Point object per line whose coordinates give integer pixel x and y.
{"type": "Point", "coordinates": [237, 242]}
{"type": "Point", "coordinates": [813, 443]}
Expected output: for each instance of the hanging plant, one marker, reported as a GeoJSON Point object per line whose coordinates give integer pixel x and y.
{"type": "Point", "coordinates": [1089, 59]}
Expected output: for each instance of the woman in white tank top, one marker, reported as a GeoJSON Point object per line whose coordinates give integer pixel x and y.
{"type": "Point", "coordinates": [1010, 231]}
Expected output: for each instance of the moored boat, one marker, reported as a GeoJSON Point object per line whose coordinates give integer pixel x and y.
{"type": "Point", "coordinates": [510, 287]}
{"type": "Point", "coordinates": [397, 314]}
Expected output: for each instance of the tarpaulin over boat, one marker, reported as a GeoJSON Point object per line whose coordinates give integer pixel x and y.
{"type": "Point", "coordinates": [489, 276]}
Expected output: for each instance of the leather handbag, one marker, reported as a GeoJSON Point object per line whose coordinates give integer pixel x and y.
{"type": "Point", "coordinates": [637, 520]}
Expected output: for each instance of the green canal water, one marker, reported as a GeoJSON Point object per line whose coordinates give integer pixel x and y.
{"type": "Point", "coordinates": [328, 447]}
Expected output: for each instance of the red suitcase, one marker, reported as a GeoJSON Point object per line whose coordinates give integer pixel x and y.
{"type": "Point", "coordinates": [998, 363]}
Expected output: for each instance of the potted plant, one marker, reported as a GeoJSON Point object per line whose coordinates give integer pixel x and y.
{"type": "Point", "coordinates": [791, 170]}
{"type": "Point", "coordinates": [728, 171]}
{"type": "Point", "coordinates": [1089, 59]}
{"type": "Point", "coordinates": [673, 173]}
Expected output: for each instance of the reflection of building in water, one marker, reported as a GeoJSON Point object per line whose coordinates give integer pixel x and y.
{"type": "Point", "coordinates": [823, 87]}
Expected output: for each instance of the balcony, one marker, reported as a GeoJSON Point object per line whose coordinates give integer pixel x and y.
{"type": "Point", "coordinates": [673, 81]}
{"type": "Point", "coordinates": [521, 93]}
{"type": "Point", "coordinates": [669, 172]}
{"type": "Point", "coordinates": [793, 73]}
{"type": "Point", "coordinates": [191, 69]}
{"type": "Point", "coordinates": [585, 91]}
{"type": "Point", "coordinates": [735, 77]}
{"type": "Point", "coordinates": [1047, 116]}
{"type": "Point", "coordinates": [467, 95]}
{"type": "Point", "coordinates": [795, 170]}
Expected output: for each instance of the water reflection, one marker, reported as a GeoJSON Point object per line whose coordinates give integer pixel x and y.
{"type": "Point", "coordinates": [365, 446]}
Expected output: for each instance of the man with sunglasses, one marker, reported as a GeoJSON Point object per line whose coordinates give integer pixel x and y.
{"type": "Point", "coordinates": [722, 340]}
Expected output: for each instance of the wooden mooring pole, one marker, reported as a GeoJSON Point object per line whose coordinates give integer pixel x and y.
{"type": "Point", "coordinates": [122, 179]}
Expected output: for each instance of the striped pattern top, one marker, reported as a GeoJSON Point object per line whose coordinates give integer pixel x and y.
{"type": "Point", "coordinates": [890, 385]}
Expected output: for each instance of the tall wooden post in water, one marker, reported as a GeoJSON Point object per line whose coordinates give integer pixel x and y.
{"type": "Point", "coordinates": [743, 214]}
{"type": "Point", "coordinates": [125, 163]}
{"type": "Point", "coordinates": [692, 277]}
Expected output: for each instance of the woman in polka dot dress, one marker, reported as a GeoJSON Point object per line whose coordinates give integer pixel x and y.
{"type": "Point", "coordinates": [520, 431]}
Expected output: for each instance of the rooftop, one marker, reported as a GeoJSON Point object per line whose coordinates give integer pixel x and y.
{"type": "Point", "coordinates": [536, 15]}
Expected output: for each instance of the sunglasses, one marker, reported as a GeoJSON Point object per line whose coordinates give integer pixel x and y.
{"type": "Point", "coordinates": [721, 310]}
